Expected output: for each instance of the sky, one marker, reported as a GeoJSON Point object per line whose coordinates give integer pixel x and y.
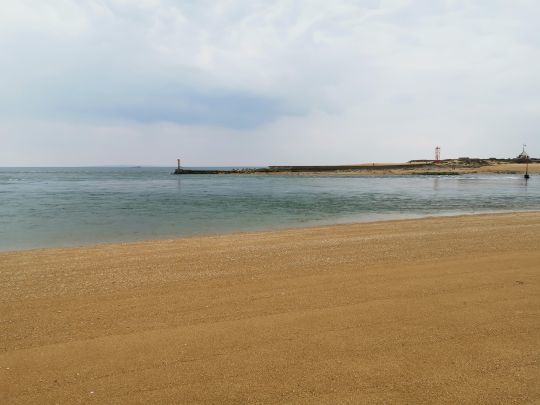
{"type": "Point", "coordinates": [249, 83]}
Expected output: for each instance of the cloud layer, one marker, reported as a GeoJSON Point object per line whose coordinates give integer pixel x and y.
{"type": "Point", "coordinates": [258, 82]}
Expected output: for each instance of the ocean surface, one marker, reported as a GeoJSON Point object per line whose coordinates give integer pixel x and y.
{"type": "Point", "coordinates": [44, 207]}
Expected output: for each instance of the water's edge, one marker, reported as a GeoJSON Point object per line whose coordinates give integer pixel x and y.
{"type": "Point", "coordinates": [62, 207]}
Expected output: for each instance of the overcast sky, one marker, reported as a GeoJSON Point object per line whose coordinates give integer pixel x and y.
{"type": "Point", "coordinates": [225, 82]}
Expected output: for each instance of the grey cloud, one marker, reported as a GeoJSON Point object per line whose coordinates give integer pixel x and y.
{"type": "Point", "coordinates": [328, 81]}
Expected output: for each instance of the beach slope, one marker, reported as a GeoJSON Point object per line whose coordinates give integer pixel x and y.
{"type": "Point", "coordinates": [438, 310]}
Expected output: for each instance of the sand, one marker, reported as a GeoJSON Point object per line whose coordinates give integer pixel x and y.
{"type": "Point", "coordinates": [510, 168]}
{"type": "Point", "coordinates": [441, 310]}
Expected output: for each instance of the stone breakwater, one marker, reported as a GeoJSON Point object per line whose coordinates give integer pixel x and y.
{"type": "Point", "coordinates": [417, 168]}
{"type": "Point", "coordinates": [309, 169]}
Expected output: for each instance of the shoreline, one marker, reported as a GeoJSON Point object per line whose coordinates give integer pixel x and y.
{"type": "Point", "coordinates": [440, 309]}
{"type": "Point", "coordinates": [232, 233]}
{"type": "Point", "coordinates": [377, 169]}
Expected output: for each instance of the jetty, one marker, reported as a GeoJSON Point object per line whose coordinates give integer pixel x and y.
{"type": "Point", "coordinates": [437, 167]}
{"type": "Point", "coordinates": [305, 169]}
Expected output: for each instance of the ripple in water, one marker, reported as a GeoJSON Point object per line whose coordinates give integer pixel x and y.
{"type": "Point", "coordinates": [71, 206]}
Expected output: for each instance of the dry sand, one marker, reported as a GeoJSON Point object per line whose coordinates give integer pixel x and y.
{"type": "Point", "coordinates": [443, 310]}
{"type": "Point", "coordinates": [510, 168]}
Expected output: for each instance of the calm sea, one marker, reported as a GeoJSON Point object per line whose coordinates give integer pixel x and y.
{"type": "Point", "coordinates": [42, 207]}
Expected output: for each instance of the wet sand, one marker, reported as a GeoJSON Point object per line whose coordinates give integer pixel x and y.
{"type": "Point", "coordinates": [440, 310]}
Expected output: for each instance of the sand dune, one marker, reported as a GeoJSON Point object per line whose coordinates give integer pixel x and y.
{"type": "Point", "coordinates": [441, 310]}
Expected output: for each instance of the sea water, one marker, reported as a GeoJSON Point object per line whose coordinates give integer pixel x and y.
{"type": "Point", "coordinates": [43, 207]}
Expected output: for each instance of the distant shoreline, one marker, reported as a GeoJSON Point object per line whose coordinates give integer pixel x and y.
{"type": "Point", "coordinates": [445, 168]}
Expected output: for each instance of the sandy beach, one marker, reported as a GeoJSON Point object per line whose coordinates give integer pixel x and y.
{"type": "Point", "coordinates": [436, 310]}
